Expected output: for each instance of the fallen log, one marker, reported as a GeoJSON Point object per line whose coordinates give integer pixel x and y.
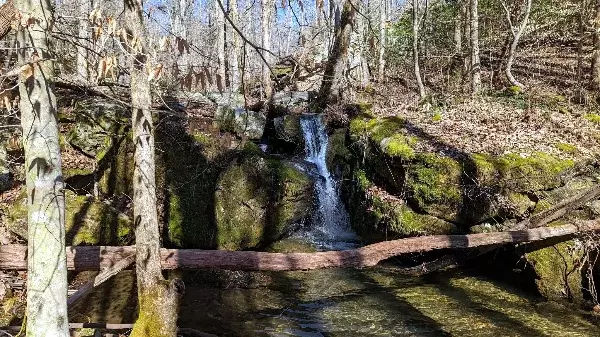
{"type": "Point", "coordinates": [102, 257]}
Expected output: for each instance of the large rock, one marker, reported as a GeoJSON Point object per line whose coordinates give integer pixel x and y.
{"type": "Point", "coordinates": [260, 200]}
{"type": "Point", "coordinates": [557, 270]}
{"type": "Point", "coordinates": [98, 124]}
{"type": "Point", "coordinates": [6, 178]}
{"type": "Point", "coordinates": [87, 221]}
{"type": "Point", "coordinates": [243, 122]}
{"type": "Point", "coordinates": [288, 129]}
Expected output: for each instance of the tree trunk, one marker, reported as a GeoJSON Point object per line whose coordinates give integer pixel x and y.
{"type": "Point", "coordinates": [458, 20]}
{"type": "Point", "coordinates": [415, 48]}
{"type": "Point", "coordinates": [236, 71]}
{"type": "Point", "coordinates": [596, 52]}
{"type": "Point", "coordinates": [83, 33]}
{"type": "Point", "coordinates": [332, 86]}
{"type": "Point", "coordinates": [382, 39]}
{"type": "Point", "coordinates": [266, 26]}
{"type": "Point", "coordinates": [515, 42]}
{"type": "Point", "coordinates": [157, 305]}
{"type": "Point", "coordinates": [466, 13]}
{"type": "Point", "coordinates": [93, 258]}
{"type": "Point", "coordinates": [179, 29]}
{"type": "Point", "coordinates": [475, 62]}
{"type": "Point", "coordinates": [220, 21]}
{"type": "Point", "coordinates": [47, 263]}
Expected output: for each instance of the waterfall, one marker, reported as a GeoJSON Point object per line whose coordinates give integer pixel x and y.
{"type": "Point", "coordinates": [330, 226]}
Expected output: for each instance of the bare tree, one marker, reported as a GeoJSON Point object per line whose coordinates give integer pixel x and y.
{"type": "Point", "coordinates": [458, 23]}
{"type": "Point", "coordinates": [179, 14]}
{"type": "Point", "coordinates": [220, 22]}
{"type": "Point", "coordinates": [84, 8]}
{"type": "Point", "coordinates": [266, 25]}
{"type": "Point", "coordinates": [515, 41]}
{"type": "Point", "coordinates": [415, 48]}
{"type": "Point", "coordinates": [236, 70]}
{"type": "Point", "coordinates": [156, 298]}
{"type": "Point", "coordinates": [596, 53]}
{"type": "Point", "coordinates": [382, 38]}
{"type": "Point", "coordinates": [47, 263]}
{"type": "Point", "coordinates": [475, 62]}
{"type": "Point", "coordinates": [332, 86]}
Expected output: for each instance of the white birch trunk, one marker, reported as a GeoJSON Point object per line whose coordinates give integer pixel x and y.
{"type": "Point", "coordinates": [475, 62]}
{"type": "Point", "coordinates": [415, 45]}
{"type": "Point", "coordinates": [83, 33]}
{"type": "Point", "coordinates": [47, 264]}
{"type": "Point", "coordinates": [267, 25]}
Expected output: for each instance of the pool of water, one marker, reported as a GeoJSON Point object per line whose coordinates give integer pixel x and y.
{"type": "Point", "coordinates": [371, 302]}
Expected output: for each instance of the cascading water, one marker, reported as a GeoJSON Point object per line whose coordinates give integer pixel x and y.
{"type": "Point", "coordinates": [330, 227]}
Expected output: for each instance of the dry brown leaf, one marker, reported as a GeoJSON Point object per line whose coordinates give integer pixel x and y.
{"type": "Point", "coordinates": [155, 72]}
{"type": "Point", "coordinates": [27, 71]}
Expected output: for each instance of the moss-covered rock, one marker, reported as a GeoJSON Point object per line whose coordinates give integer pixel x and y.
{"type": "Point", "coordinates": [12, 310]}
{"type": "Point", "coordinates": [558, 271]}
{"type": "Point", "coordinates": [338, 154]}
{"type": "Point", "coordinates": [87, 221]}
{"type": "Point", "coordinates": [376, 216]}
{"type": "Point", "coordinates": [115, 170]}
{"type": "Point", "coordinates": [92, 222]}
{"type": "Point", "coordinates": [259, 200]}
{"type": "Point", "coordinates": [97, 124]}
{"type": "Point", "coordinates": [434, 185]}
{"type": "Point", "coordinates": [536, 172]}
{"type": "Point", "coordinates": [572, 188]}
{"type": "Point", "coordinates": [288, 129]}
{"type": "Point", "coordinates": [243, 122]}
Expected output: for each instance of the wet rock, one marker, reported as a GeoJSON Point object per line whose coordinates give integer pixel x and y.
{"type": "Point", "coordinates": [260, 200]}
{"type": "Point", "coordinates": [288, 129]}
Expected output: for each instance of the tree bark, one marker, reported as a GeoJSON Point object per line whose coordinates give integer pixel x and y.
{"type": "Point", "coordinates": [47, 264]}
{"type": "Point", "coordinates": [94, 258]}
{"type": "Point", "coordinates": [179, 14]}
{"type": "Point", "coordinates": [220, 22]}
{"type": "Point", "coordinates": [83, 33]}
{"type": "Point", "coordinates": [157, 306]}
{"type": "Point", "coordinates": [458, 20]}
{"type": "Point", "coordinates": [596, 49]}
{"type": "Point", "coordinates": [332, 86]}
{"type": "Point", "coordinates": [267, 25]}
{"type": "Point", "coordinates": [515, 41]}
{"type": "Point", "coordinates": [475, 62]}
{"type": "Point", "coordinates": [415, 48]}
{"type": "Point", "coordinates": [236, 70]}
{"type": "Point", "coordinates": [382, 39]}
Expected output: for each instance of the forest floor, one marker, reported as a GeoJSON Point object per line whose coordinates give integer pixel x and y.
{"type": "Point", "coordinates": [494, 122]}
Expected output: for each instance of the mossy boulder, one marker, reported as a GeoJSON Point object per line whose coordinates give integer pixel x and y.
{"type": "Point", "coordinates": [338, 154]}
{"type": "Point", "coordinates": [434, 185]}
{"type": "Point", "coordinates": [92, 222]}
{"type": "Point", "coordinates": [87, 221]}
{"type": "Point", "coordinates": [572, 188]}
{"type": "Point", "coordinates": [115, 171]}
{"type": "Point", "coordinates": [12, 309]}
{"type": "Point", "coordinates": [6, 178]}
{"type": "Point", "coordinates": [98, 123]}
{"type": "Point", "coordinates": [288, 129]}
{"type": "Point", "coordinates": [376, 216]}
{"type": "Point", "coordinates": [241, 121]}
{"type": "Point", "coordinates": [260, 200]}
{"type": "Point", "coordinates": [558, 273]}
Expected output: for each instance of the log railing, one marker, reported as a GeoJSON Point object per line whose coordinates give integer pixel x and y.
{"type": "Point", "coordinates": [102, 257]}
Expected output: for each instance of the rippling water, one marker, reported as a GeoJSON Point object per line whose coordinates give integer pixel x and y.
{"type": "Point", "coordinates": [372, 302]}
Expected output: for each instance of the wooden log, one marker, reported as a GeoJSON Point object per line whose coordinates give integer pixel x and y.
{"type": "Point", "coordinates": [101, 278]}
{"type": "Point", "coordinates": [101, 257]}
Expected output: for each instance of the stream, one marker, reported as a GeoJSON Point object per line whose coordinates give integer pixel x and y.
{"type": "Point", "coordinates": [379, 301]}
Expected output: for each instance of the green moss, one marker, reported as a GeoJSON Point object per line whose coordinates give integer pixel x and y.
{"type": "Point", "coordinates": [592, 117]}
{"type": "Point", "coordinates": [259, 200]}
{"type": "Point", "coordinates": [399, 146]}
{"type": "Point", "coordinates": [365, 108]}
{"type": "Point", "coordinates": [358, 127]}
{"type": "Point", "coordinates": [519, 204]}
{"type": "Point", "coordinates": [92, 222]}
{"type": "Point", "coordinates": [557, 270]}
{"type": "Point", "coordinates": [433, 183]}
{"type": "Point", "coordinates": [338, 153]}
{"type": "Point", "coordinates": [566, 148]}
{"type": "Point", "coordinates": [437, 117]}
{"type": "Point", "coordinates": [515, 90]}
{"type": "Point", "coordinates": [539, 171]}
{"type": "Point", "coordinates": [379, 129]}
{"type": "Point", "coordinates": [407, 223]}
{"type": "Point", "coordinates": [175, 221]}
{"type": "Point", "coordinates": [12, 308]}
{"type": "Point", "coordinates": [252, 148]}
